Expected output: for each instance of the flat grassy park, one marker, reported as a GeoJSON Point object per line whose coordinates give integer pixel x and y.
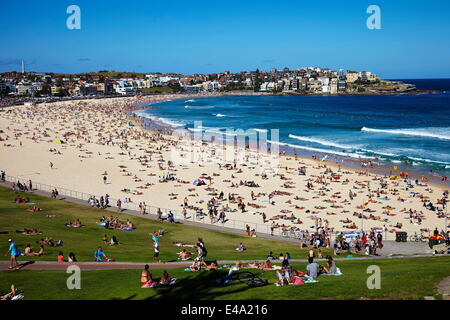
{"type": "Point", "coordinates": [411, 278]}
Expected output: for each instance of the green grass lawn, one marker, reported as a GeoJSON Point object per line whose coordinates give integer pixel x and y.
{"type": "Point", "coordinates": [411, 278]}
{"type": "Point", "coordinates": [136, 246]}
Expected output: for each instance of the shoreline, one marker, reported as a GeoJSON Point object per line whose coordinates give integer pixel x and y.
{"type": "Point", "coordinates": [378, 166]}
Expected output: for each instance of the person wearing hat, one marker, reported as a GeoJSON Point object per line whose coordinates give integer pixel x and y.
{"type": "Point", "coordinates": [14, 254]}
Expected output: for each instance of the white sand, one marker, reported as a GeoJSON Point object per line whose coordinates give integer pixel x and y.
{"type": "Point", "coordinates": [84, 158]}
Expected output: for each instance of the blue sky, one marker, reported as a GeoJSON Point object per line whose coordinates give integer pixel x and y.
{"type": "Point", "coordinates": [213, 36]}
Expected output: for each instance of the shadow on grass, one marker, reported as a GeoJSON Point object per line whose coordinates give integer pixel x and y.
{"type": "Point", "coordinates": [201, 285]}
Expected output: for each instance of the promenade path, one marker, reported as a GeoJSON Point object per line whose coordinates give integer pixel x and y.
{"type": "Point", "coordinates": [52, 265]}
{"type": "Point", "coordinates": [390, 247]}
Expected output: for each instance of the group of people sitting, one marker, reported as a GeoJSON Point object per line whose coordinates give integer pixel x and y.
{"type": "Point", "coordinates": [147, 280]}
{"type": "Point", "coordinates": [70, 258]}
{"type": "Point", "coordinates": [112, 242]}
{"type": "Point", "coordinates": [29, 251]}
{"type": "Point", "coordinates": [114, 223]}
{"type": "Point", "coordinates": [288, 276]}
{"type": "Point", "coordinates": [19, 199]}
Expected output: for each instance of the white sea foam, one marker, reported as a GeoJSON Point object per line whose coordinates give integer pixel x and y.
{"type": "Point", "coordinates": [343, 154]}
{"type": "Point", "coordinates": [198, 107]}
{"type": "Point", "coordinates": [321, 141]}
{"type": "Point", "coordinates": [170, 122]}
{"type": "Point", "coordinates": [190, 100]}
{"type": "Point", "coordinates": [220, 115]}
{"type": "Point", "coordinates": [431, 132]}
{"type": "Point", "coordinates": [380, 153]}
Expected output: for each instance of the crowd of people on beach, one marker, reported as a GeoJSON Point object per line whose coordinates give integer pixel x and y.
{"type": "Point", "coordinates": [309, 201]}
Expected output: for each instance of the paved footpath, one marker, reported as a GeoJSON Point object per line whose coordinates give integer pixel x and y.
{"type": "Point", "coordinates": [390, 247]}
{"type": "Point", "coordinates": [52, 265]}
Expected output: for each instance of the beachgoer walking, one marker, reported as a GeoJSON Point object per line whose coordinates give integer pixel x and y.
{"type": "Point", "coordinates": [14, 252]}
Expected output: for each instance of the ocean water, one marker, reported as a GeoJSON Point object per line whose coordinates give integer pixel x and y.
{"type": "Point", "coordinates": [411, 130]}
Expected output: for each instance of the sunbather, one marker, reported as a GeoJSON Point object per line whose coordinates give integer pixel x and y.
{"type": "Point", "coordinates": [11, 294]}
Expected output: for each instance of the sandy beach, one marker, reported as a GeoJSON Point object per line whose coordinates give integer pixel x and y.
{"type": "Point", "coordinates": [101, 139]}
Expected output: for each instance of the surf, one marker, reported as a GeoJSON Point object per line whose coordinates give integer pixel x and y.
{"type": "Point", "coordinates": [417, 132]}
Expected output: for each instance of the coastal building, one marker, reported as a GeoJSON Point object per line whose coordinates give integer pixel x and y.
{"type": "Point", "coordinates": [295, 83]}
{"type": "Point", "coordinates": [315, 86]}
{"type": "Point", "coordinates": [352, 76]}
{"type": "Point", "coordinates": [334, 86]}
{"type": "Point", "coordinates": [364, 76]}
{"type": "Point", "coordinates": [264, 86]}
{"type": "Point", "coordinates": [3, 87]}
{"type": "Point", "coordinates": [56, 90]}
{"type": "Point", "coordinates": [342, 86]}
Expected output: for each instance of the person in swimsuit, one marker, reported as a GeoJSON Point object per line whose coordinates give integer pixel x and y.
{"type": "Point", "coordinates": [146, 277]}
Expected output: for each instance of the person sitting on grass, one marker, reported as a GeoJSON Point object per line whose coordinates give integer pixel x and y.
{"type": "Point", "coordinates": [99, 255]}
{"type": "Point", "coordinates": [165, 279]}
{"type": "Point", "coordinates": [28, 250]}
{"type": "Point", "coordinates": [146, 278]}
{"type": "Point", "coordinates": [241, 247]}
{"type": "Point", "coordinates": [330, 268]}
{"type": "Point", "coordinates": [113, 241]}
{"type": "Point", "coordinates": [195, 266]}
{"type": "Point", "coordinates": [283, 278]}
{"type": "Point", "coordinates": [60, 257]}
{"type": "Point", "coordinates": [40, 252]}
{"type": "Point", "coordinates": [312, 269]}
{"type": "Point", "coordinates": [184, 255]}
{"type": "Point", "coordinates": [105, 239]}
{"type": "Point", "coordinates": [297, 278]}
{"type": "Point", "coordinates": [270, 256]}
{"type": "Point", "coordinates": [71, 257]}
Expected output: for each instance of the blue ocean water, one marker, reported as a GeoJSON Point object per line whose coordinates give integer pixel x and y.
{"type": "Point", "coordinates": [412, 130]}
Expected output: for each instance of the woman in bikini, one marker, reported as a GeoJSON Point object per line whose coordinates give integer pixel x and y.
{"type": "Point", "coordinates": [146, 277]}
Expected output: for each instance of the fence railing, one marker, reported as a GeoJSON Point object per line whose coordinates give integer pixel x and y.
{"type": "Point", "coordinates": [178, 215]}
